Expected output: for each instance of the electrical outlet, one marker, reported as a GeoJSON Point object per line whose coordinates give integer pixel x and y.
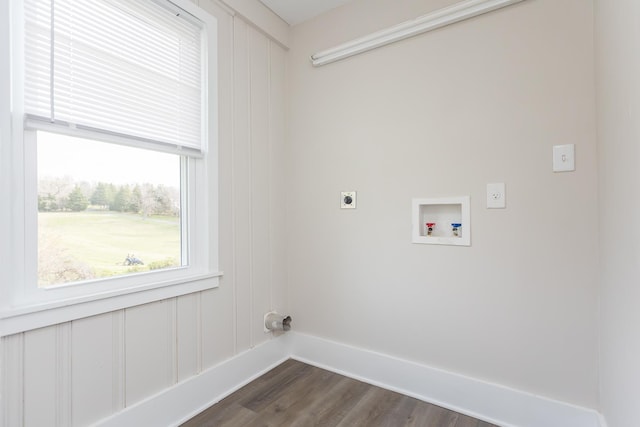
{"type": "Point", "coordinates": [348, 200]}
{"type": "Point", "coordinates": [496, 196]}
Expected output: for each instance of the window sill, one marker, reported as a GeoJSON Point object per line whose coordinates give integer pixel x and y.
{"type": "Point", "coordinates": [25, 318]}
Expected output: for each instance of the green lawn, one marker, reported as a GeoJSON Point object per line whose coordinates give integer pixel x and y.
{"type": "Point", "coordinates": [97, 242]}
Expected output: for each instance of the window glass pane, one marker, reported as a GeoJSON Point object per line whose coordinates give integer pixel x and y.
{"type": "Point", "coordinates": [105, 210]}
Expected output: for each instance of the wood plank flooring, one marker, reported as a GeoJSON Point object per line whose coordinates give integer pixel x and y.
{"type": "Point", "coordinates": [295, 394]}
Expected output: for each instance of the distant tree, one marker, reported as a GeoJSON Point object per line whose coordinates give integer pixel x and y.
{"type": "Point", "coordinates": [111, 194]}
{"type": "Point", "coordinates": [100, 195]}
{"type": "Point", "coordinates": [174, 195]}
{"type": "Point", "coordinates": [42, 204]}
{"type": "Point", "coordinates": [86, 188]}
{"type": "Point", "coordinates": [53, 192]}
{"type": "Point", "coordinates": [163, 205]}
{"type": "Point", "coordinates": [135, 204]}
{"type": "Point", "coordinates": [148, 200]}
{"type": "Point", "coordinates": [77, 201]}
{"type": "Point", "coordinates": [47, 203]}
{"type": "Point", "coordinates": [56, 265]}
{"type": "Point", "coordinates": [122, 200]}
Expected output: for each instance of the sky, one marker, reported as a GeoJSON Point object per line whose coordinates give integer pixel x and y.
{"type": "Point", "coordinates": [93, 161]}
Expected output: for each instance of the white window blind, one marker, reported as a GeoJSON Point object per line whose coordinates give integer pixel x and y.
{"type": "Point", "coordinates": [128, 68]}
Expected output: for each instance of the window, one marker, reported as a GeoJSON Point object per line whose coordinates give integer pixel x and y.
{"type": "Point", "coordinates": [112, 156]}
{"type": "Point", "coordinates": [102, 214]}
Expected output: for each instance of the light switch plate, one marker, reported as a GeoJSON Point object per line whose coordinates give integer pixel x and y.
{"type": "Point", "coordinates": [348, 200]}
{"type": "Point", "coordinates": [496, 196]}
{"type": "Point", "coordinates": [564, 158]}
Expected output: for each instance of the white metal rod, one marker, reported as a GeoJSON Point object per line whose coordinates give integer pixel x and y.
{"type": "Point", "coordinates": [431, 21]}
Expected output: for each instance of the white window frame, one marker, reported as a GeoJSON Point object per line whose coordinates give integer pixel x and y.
{"type": "Point", "coordinates": [24, 305]}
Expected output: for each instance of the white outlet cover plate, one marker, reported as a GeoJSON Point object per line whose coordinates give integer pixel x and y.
{"type": "Point", "coordinates": [345, 194]}
{"type": "Point", "coordinates": [496, 196]}
{"type": "Point", "coordinates": [564, 158]}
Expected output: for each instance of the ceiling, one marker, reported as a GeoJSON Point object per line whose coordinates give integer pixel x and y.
{"type": "Point", "coordinates": [297, 11]}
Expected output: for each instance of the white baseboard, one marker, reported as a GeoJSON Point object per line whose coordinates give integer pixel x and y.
{"type": "Point", "coordinates": [493, 403]}
{"type": "Point", "coordinates": [175, 405]}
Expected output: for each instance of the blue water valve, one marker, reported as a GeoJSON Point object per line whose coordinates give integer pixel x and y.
{"type": "Point", "coordinates": [455, 227]}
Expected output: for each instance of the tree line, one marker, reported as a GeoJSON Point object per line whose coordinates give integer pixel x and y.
{"type": "Point", "coordinates": [63, 194]}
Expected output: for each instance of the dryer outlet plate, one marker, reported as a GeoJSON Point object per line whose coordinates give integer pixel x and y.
{"type": "Point", "coordinates": [348, 200]}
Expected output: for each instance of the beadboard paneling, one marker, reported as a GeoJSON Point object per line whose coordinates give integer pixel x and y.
{"type": "Point", "coordinates": [217, 315]}
{"type": "Point", "coordinates": [40, 377]}
{"type": "Point", "coordinates": [241, 183]}
{"type": "Point", "coordinates": [79, 372]}
{"type": "Point", "coordinates": [258, 48]}
{"type": "Point", "coordinates": [217, 328]}
{"type": "Point", "coordinates": [93, 379]}
{"type": "Point", "coordinates": [187, 334]}
{"type": "Point", "coordinates": [278, 184]}
{"type": "Point", "coordinates": [12, 380]}
{"type": "Point", "coordinates": [149, 350]}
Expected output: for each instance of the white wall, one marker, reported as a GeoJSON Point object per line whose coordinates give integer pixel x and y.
{"type": "Point", "coordinates": [618, 71]}
{"type": "Point", "coordinates": [443, 114]}
{"type": "Point", "coordinates": [81, 371]}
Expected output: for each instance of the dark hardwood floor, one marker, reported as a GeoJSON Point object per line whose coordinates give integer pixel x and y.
{"type": "Point", "coordinates": [296, 394]}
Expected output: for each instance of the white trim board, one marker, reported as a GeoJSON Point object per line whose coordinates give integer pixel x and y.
{"type": "Point", "coordinates": [493, 403]}
{"type": "Point", "coordinates": [13, 321]}
{"type": "Point", "coordinates": [188, 398]}
{"type": "Point", "coordinates": [603, 421]}
{"type": "Point", "coordinates": [496, 404]}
